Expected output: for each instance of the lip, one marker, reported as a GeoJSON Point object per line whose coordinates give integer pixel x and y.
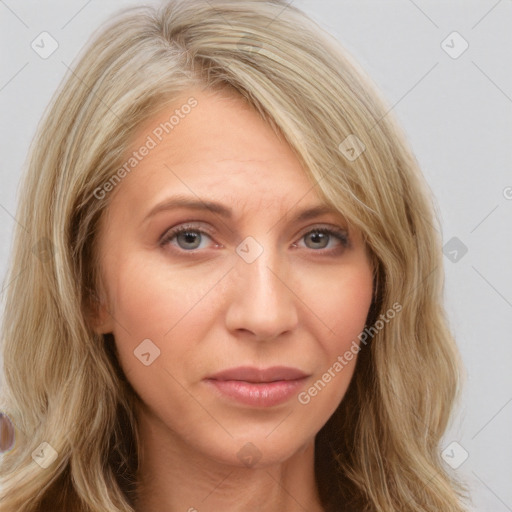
{"type": "Point", "coordinates": [258, 387]}
{"type": "Point", "coordinates": [259, 375]}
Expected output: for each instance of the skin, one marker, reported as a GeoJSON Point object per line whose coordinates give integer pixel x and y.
{"type": "Point", "coordinates": [301, 303]}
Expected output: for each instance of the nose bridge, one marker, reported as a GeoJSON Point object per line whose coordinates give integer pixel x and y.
{"type": "Point", "coordinates": [260, 273]}
{"type": "Point", "coordinates": [262, 302]}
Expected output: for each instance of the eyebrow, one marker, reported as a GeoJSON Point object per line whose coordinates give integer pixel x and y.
{"type": "Point", "coordinates": [226, 212]}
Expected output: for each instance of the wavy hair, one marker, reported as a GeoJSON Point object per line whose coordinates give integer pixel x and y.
{"type": "Point", "coordinates": [380, 450]}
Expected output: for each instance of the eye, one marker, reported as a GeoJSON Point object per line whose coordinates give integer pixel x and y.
{"type": "Point", "coordinates": [324, 238]}
{"type": "Point", "coordinates": [187, 238]}
{"type": "Point", "coordinates": [190, 238]}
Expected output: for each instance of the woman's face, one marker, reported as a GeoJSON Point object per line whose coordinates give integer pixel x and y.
{"type": "Point", "coordinates": [249, 287]}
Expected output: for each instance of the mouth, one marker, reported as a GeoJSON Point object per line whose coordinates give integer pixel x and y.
{"type": "Point", "coordinates": [257, 387]}
{"type": "Point", "coordinates": [260, 375]}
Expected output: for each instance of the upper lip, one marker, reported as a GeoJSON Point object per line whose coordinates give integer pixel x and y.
{"type": "Point", "coordinates": [252, 374]}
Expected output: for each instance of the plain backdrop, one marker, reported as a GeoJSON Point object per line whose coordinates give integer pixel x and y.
{"type": "Point", "coordinates": [446, 68]}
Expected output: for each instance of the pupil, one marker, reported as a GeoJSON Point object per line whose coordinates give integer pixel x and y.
{"type": "Point", "coordinates": [189, 237]}
{"type": "Point", "coordinates": [318, 238]}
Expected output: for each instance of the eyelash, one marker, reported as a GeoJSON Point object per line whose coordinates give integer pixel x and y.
{"type": "Point", "coordinates": [339, 234]}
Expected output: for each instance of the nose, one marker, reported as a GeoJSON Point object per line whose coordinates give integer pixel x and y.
{"type": "Point", "coordinates": [262, 303]}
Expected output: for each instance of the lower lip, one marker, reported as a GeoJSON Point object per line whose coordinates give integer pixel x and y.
{"type": "Point", "coordinates": [265, 394]}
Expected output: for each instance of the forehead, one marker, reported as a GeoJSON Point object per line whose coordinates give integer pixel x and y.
{"type": "Point", "coordinates": [219, 147]}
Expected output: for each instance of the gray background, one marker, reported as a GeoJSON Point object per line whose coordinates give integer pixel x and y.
{"type": "Point", "coordinates": [457, 113]}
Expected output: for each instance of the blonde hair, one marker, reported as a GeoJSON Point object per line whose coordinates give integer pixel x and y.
{"type": "Point", "coordinates": [380, 451]}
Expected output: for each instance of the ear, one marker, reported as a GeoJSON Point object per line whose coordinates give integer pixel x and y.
{"type": "Point", "coordinates": [98, 314]}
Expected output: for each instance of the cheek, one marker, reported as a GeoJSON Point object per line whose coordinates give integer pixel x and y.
{"type": "Point", "coordinates": [344, 305]}
{"type": "Point", "coordinates": [354, 300]}
{"type": "Point", "coordinates": [152, 298]}
{"type": "Point", "coordinates": [341, 303]}
{"type": "Point", "coordinates": [170, 307]}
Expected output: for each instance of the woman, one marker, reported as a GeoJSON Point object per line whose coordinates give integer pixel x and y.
{"type": "Point", "coordinates": [232, 288]}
